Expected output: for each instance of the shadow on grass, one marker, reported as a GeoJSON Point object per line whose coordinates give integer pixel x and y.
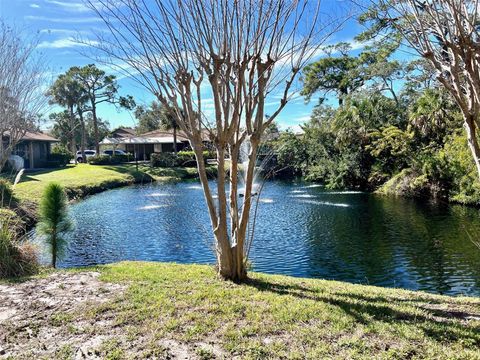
{"type": "Point", "coordinates": [28, 174]}
{"type": "Point", "coordinates": [439, 325]}
{"type": "Point", "coordinates": [139, 175]}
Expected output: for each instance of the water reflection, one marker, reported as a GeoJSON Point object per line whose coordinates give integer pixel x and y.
{"type": "Point", "coordinates": [302, 230]}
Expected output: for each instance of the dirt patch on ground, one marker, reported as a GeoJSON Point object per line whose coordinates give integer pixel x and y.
{"type": "Point", "coordinates": [46, 318]}
{"type": "Point", "coordinates": [32, 312]}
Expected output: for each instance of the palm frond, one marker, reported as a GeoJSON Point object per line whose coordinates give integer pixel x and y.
{"type": "Point", "coordinates": [18, 177]}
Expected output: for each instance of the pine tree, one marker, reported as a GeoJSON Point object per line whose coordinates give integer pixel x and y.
{"type": "Point", "coordinates": [54, 221]}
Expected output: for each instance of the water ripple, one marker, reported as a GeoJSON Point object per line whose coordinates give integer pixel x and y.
{"type": "Point", "coordinates": [374, 240]}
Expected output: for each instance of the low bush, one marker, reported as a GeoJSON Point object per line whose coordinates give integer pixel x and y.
{"type": "Point", "coordinates": [10, 218]}
{"type": "Point", "coordinates": [108, 160]}
{"type": "Point", "coordinates": [58, 160]}
{"type": "Point", "coordinates": [6, 193]}
{"type": "Point", "coordinates": [59, 157]}
{"type": "Point", "coordinates": [121, 158]}
{"type": "Point", "coordinates": [99, 160]}
{"type": "Point", "coordinates": [181, 159]}
{"type": "Point", "coordinates": [163, 160]}
{"type": "Point", "coordinates": [17, 258]}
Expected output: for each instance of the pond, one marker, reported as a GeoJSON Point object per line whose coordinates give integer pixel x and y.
{"type": "Point", "coordinates": [303, 230]}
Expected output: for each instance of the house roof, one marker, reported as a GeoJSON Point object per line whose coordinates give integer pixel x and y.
{"type": "Point", "coordinates": [38, 136]}
{"type": "Point", "coordinates": [151, 137]}
{"type": "Point", "coordinates": [140, 140]}
{"type": "Point", "coordinates": [180, 134]}
{"type": "Point", "coordinates": [123, 132]}
{"type": "Point", "coordinates": [164, 134]}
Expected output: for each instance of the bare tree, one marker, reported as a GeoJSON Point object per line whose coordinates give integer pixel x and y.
{"type": "Point", "coordinates": [447, 34]}
{"type": "Point", "coordinates": [21, 96]}
{"type": "Point", "coordinates": [235, 53]}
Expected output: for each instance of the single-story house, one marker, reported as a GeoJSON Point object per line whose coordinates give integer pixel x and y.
{"type": "Point", "coordinates": [34, 149]}
{"type": "Point", "coordinates": [122, 132]}
{"type": "Point", "coordinates": [142, 146]}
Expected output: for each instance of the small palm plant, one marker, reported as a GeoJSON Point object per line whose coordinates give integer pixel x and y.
{"type": "Point", "coordinates": [54, 221]}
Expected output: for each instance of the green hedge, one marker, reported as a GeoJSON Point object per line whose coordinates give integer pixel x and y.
{"type": "Point", "coordinates": [181, 159]}
{"type": "Point", "coordinates": [58, 159]}
{"type": "Point", "coordinates": [108, 160]}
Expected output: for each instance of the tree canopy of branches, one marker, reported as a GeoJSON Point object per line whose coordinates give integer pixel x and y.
{"type": "Point", "coordinates": [98, 88]}
{"type": "Point", "coordinates": [69, 132]}
{"type": "Point", "coordinates": [345, 73]}
{"type": "Point", "coordinates": [81, 90]}
{"type": "Point", "coordinates": [447, 34]}
{"type": "Point", "coordinates": [155, 117]}
{"type": "Point", "coordinates": [241, 51]}
{"type": "Point", "coordinates": [21, 98]}
{"type": "Point", "coordinates": [68, 92]}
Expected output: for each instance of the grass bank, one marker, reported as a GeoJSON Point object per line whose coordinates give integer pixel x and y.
{"type": "Point", "coordinates": [85, 179]}
{"type": "Point", "coordinates": [168, 310]}
{"type": "Point", "coordinates": [177, 173]}
{"type": "Point", "coordinates": [79, 181]}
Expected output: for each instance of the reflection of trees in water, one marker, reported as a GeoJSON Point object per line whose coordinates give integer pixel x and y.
{"type": "Point", "coordinates": [395, 242]}
{"type": "Point", "coordinates": [345, 243]}
{"type": "Point", "coordinates": [432, 242]}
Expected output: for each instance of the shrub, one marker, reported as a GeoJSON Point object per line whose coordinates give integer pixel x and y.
{"type": "Point", "coordinates": [181, 159]}
{"type": "Point", "coordinates": [117, 159]}
{"type": "Point", "coordinates": [459, 166]}
{"type": "Point", "coordinates": [59, 160]}
{"type": "Point", "coordinates": [6, 193]}
{"type": "Point", "coordinates": [8, 168]}
{"type": "Point", "coordinates": [163, 160]}
{"type": "Point", "coordinates": [100, 160]}
{"type": "Point", "coordinates": [10, 218]}
{"type": "Point", "coordinates": [186, 158]}
{"type": "Point", "coordinates": [16, 258]}
{"type": "Point", "coordinates": [108, 160]}
{"type": "Point", "coordinates": [54, 220]}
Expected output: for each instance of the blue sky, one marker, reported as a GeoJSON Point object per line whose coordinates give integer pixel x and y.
{"type": "Point", "coordinates": [58, 22]}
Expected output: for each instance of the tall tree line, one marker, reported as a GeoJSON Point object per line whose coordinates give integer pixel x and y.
{"type": "Point", "coordinates": [81, 90]}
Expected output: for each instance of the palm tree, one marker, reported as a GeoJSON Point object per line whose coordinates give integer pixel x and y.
{"type": "Point", "coordinates": [433, 113]}
{"type": "Point", "coordinates": [54, 220]}
{"type": "Point", "coordinates": [68, 92]}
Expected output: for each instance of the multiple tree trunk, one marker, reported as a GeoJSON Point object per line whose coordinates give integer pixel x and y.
{"type": "Point", "coordinates": [233, 54]}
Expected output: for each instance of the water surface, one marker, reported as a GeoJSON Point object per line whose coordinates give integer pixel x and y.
{"type": "Point", "coordinates": [302, 230]}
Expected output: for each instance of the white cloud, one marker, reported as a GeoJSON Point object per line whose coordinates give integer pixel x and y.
{"type": "Point", "coordinates": [69, 6]}
{"type": "Point", "coordinates": [35, 6]}
{"type": "Point", "coordinates": [302, 119]}
{"type": "Point", "coordinates": [61, 43]}
{"type": "Point", "coordinates": [67, 20]}
{"type": "Point", "coordinates": [64, 32]}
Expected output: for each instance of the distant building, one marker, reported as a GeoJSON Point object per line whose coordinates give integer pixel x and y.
{"type": "Point", "coordinates": [34, 149]}
{"type": "Point", "coordinates": [142, 146]}
{"type": "Point", "coordinates": [122, 132]}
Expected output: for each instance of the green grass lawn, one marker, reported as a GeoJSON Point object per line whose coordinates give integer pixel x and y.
{"type": "Point", "coordinates": [79, 180]}
{"type": "Point", "coordinates": [85, 179]}
{"type": "Point", "coordinates": [280, 317]}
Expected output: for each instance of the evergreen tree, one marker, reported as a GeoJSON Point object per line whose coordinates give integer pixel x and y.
{"type": "Point", "coordinates": [54, 221]}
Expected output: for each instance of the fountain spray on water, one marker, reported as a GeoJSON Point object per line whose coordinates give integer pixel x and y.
{"type": "Point", "coordinates": [260, 171]}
